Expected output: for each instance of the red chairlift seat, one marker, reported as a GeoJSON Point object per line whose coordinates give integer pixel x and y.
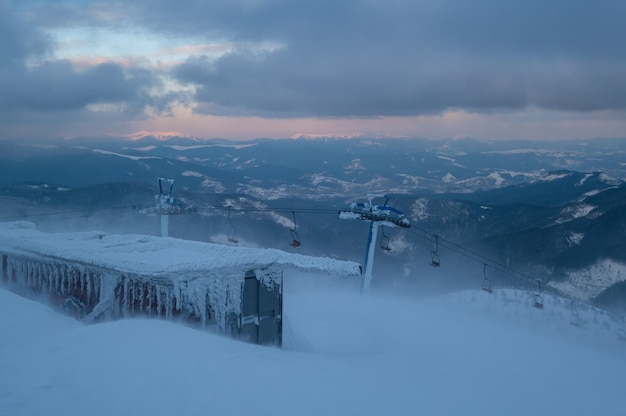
{"type": "Point", "coordinates": [294, 233]}
{"type": "Point", "coordinates": [295, 240]}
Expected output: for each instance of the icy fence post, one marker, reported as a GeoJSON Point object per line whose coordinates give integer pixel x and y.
{"type": "Point", "coordinates": [71, 287]}
{"type": "Point", "coordinates": [206, 296]}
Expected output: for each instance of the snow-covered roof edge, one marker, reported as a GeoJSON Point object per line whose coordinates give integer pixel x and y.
{"type": "Point", "coordinates": [145, 254]}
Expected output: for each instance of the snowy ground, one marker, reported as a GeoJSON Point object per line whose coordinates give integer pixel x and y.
{"type": "Point", "coordinates": [469, 353]}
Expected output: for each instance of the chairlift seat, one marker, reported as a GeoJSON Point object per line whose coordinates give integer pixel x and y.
{"type": "Point", "coordinates": [434, 257]}
{"type": "Point", "coordinates": [294, 233]}
{"type": "Point", "coordinates": [487, 285]}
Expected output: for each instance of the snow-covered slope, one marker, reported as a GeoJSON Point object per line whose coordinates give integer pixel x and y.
{"type": "Point", "coordinates": [469, 353]}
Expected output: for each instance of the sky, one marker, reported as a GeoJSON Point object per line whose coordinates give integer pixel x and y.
{"type": "Point", "coordinates": [244, 69]}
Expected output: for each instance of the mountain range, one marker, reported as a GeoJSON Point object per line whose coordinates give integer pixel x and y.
{"type": "Point", "coordinates": [552, 211]}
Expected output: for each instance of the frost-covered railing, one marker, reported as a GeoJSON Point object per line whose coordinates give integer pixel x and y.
{"type": "Point", "coordinates": [97, 294]}
{"type": "Point", "coordinates": [68, 285]}
{"type": "Point", "coordinates": [96, 277]}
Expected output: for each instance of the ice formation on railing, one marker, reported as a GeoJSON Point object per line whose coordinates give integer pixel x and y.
{"type": "Point", "coordinates": [96, 295]}
{"type": "Point", "coordinates": [71, 286]}
{"type": "Point", "coordinates": [97, 277]}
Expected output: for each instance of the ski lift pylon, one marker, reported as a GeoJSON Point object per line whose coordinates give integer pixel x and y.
{"type": "Point", "coordinates": [538, 297]}
{"type": "Point", "coordinates": [434, 254]}
{"type": "Point", "coordinates": [486, 281]}
{"type": "Point", "coordinates": [376, 213]}
{"type": "Point", "coordinates": [294, 232]}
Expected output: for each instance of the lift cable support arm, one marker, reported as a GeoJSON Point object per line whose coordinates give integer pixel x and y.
{"type": "Point", "coordinates": [377, 215]}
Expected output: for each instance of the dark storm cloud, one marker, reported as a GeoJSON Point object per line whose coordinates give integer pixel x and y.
{"type": "Point", "coordinates": [58, 85]}
{"type": "Point", "coordinates": [31, 82]}
{"type": "Point", "coordinates": [336, 58]}
{"type": "Point", "coordinates": [286, 84]}
{"type": "Point", "coordinates": [17, 40]}
{"type": "Point", "coordinates": [366, 58]}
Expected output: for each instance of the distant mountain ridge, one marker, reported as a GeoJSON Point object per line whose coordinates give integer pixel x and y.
{"type": "Point", "coordinates": [306, 168]}
{"type": "Point", "coordinates": [553, 209]}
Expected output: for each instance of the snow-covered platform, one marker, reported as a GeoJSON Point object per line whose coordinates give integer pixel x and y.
{"type": "Point", "coordinates": [98, 276]}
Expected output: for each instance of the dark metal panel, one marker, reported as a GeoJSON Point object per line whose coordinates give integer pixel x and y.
{"type": "Point", "coordinates": [269, 300]}
{"type": "Point", "coordinates": [250, 297]}
{"type": "Point", "coordinates": [5, 268]}
{"type": "Point", "coordinates": [250, 333]}
{"type": "Point", "coordinates": [267, 334]}
{"type": "Point", "coordinates": [261, 311]}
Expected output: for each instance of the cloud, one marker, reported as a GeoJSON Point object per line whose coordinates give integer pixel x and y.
{"type": "Point", "coordinates": [18, 41]}
{"type": "Point", "coordinates": [57, 85]}
{"type": "Point", "coordinates": [375, 58]}
{"type": "Point", "coordinates": [322, 59]}
{"type": "Point", "coordinates": [38, 88]}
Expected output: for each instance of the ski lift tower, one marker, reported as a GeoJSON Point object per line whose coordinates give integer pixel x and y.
{"type": "Point", "coordinates": [377, 215]}
{"type": "Point", "coordinates": [167, 205]}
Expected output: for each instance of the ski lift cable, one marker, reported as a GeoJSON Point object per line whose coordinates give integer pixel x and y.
{"type": "Point", "coordinates": [71, 214]}
{"type": "Point", "coordinates": [471, 254]}
{"type": "Point", "coordinates": [272, 209]}
{"type": "Point", "coordinates": [417, 231]}
{"type": "Point", "coordinates": [75, 213]}
{"type": "Point", "coordinates": [474, 256]}
{"type": "Point", "coordinates": [438, 240]}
